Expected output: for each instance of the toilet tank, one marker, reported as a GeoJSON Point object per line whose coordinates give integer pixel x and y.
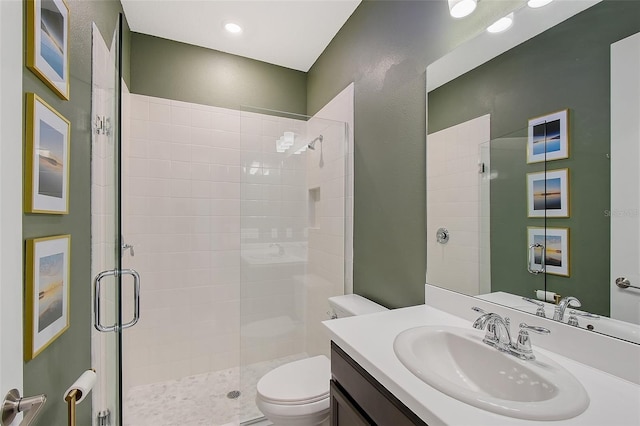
{"type": "Point", "coordinates": [351, 304]}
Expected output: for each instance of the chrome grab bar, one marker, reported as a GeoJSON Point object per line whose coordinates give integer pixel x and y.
{"type": "Point", "coordinates": [97, 283]}
{"type": "Point", "coordinates": [531, 257]}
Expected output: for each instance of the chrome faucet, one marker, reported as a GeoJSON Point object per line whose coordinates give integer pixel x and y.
{"type": "Point", "coordinates": [498, 330]}
{"type": "Point", "coordinates": [558, 313]}
{"type": "Point", "coordinates": [499, 334]}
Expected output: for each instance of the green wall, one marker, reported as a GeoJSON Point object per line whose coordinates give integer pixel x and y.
{"type": "Point", "coordinates": [59, 365]}
{"type": "Point", "coordinates": [566, 67]}
{"type": "Point", "coordinates": [385, 48]}
{"type": "Point", "coordinates": [173, 70]}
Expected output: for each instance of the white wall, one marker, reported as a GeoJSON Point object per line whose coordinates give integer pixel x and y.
{"type": "Point", "coordinates": [11, 102]}
{"type": "Point", "coordinates": [625, 155]}
{"type": "Point", "coordinates": [453, 202]}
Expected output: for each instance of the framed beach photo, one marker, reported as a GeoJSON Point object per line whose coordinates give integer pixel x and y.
{"type": "Point", "coordinates": [48, 43]}
{"type": "Point", "coordinates": [46, 184]}
{"type": "Point", "coordinates": [548, 137]}
{"type": "Point", "coordinates": [556, 249]}
{"type": "Point", "coordinates": [46, 292]}
{"type": "Point", "coordinates": [548, 193]}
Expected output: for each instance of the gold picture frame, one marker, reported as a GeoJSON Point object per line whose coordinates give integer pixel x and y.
{"type": "Point", "coordinates": [548, 193]}
{"type": "Point", "coordinates": [47, 275]}
{"type": "Point", "coordinates": [48, 43]}
{"type": "Point", "coordinates": [548, 137]}
{"type": "Point", "coordinates": [48, 138]}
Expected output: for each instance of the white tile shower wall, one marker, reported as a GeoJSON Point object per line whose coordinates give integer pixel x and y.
{"type": "Point", "coordinates": [186, 247]}
{"type": "Point", "coordinates": [273, 238]}
{"type": "Point", "coordinates": [205, 186]}
{"type": "Point", "coordinates": [453, 202]}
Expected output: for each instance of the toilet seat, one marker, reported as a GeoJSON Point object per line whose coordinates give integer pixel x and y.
{"type": "Point", "coordinates": [301, 382]}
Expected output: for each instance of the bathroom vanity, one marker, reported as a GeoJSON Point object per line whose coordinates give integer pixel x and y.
{"type": "Point", "coordinates": [370, 385]}
{"type": "Point", "coordinates": [359, 399]}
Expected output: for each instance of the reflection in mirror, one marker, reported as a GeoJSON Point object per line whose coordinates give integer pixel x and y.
{"type": "Point", "coordinates": [479, 180]}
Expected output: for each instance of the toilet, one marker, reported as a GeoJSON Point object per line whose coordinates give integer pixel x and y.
{"type": "Point", "coordinates": [297, 393]}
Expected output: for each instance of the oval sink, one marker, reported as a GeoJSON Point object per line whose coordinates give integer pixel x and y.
{"type": "Point", "coordinates": [456, 362]}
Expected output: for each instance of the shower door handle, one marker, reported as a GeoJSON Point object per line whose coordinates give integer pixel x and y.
{"type": "Point", "coordinates": [136, 297]}
{"type": "Point", "coordinates": [531, 258]}
{"type": "Point", "coordinates": [97, 284]}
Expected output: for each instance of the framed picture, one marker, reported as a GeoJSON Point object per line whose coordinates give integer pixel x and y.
{"type": "Point", "coordinates": [47, 292]}
{"type": "Point", "coordinates": [548, 193]}
{"type": "Point", "coordinates": [48, 43]}
{"type": "Point", "coordinates": [556, 249]}
{"type": "Point", "coordinates": [548, 137]}
{"type": "Point", "coordinates": [46, 183]}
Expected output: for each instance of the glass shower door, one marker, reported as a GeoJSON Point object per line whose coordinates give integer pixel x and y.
{"type": "Point", "coordinates": [107, 245]}
{"type": "Point", "coordinates": [293, 181]}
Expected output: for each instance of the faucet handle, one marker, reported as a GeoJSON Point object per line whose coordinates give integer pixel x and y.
{"type": "Point", "coordinates": [573, 321]}
{"type": "Point", "coordinates": [534, 328]}
{"type": "Point", "coordinates": [522, 348]}
{"type": "Point", "coordinates": [585, 314]}
{"type": "Point", "coordinates": [540, 312]}
{"type": "Point", "coordinates": [480, 310]}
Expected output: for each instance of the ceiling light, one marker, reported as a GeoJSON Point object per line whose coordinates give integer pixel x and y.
{"type": "Point", "coordinates": [501, 24]}
{"type": "Point", "coordinates": [538, 3]}
{"type": "Point", "coordinates": [461, 8]}
{"type": "Point", "coordinates": [233, 28]}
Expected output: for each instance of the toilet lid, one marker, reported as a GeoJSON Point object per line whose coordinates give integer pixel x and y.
{"type": "Point", "coordinates": [298, 382]}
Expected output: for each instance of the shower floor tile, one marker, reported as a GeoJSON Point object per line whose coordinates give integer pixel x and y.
{"type": "Point", "coordinates": [200, 400]}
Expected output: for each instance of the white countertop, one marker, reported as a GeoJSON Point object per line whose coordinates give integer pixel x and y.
{"type": "Point", "coordinates": [368, 339]}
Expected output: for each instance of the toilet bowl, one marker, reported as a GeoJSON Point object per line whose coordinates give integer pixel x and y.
{"type": "Point", "coordinates": [297, 393]}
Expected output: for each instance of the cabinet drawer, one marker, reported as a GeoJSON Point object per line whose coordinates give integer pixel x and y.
{"type": "Point", "coordinates": [345, 412]}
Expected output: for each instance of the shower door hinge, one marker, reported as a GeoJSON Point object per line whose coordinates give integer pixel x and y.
{"type": "Point", "coordinates": [102, 125]}
{"type": "Point", "coordinates": [104, 418]}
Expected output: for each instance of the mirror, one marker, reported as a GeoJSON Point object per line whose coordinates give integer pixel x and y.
{"type": "Point", "coordinates": [482, 105]}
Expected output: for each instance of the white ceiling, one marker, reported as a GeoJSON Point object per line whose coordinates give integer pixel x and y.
{"type": "Point", "coordinates": [289, 33]}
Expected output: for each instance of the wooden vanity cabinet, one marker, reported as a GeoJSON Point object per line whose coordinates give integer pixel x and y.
{"type": "Point", "coordinates": [357, 399]}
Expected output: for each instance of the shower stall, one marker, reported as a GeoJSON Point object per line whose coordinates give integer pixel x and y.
{"type": "Point", "coordinates": [239, 232]}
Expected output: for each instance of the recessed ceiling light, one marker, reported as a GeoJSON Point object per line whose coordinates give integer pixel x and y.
{"type": "Point", "coordinates": [233, 28]}
{"type": "Point", "coordinates": [538, 3]}
{"type": "Point", "coordinates": [501, 24]}
{"type": "Point", "coordinates": [462, 8]}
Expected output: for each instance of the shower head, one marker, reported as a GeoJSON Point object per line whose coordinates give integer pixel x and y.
{"type": "Point", "coordinates": [312, 144]}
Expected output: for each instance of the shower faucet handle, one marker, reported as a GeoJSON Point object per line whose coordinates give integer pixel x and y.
{"type": "Point", "coordinates": [129, 247]}
{"type": "Point", "coordinates": [124, 247]}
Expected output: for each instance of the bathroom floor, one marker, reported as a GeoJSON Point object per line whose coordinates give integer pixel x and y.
{"type": "Point", "coordinates": [200, 400]}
